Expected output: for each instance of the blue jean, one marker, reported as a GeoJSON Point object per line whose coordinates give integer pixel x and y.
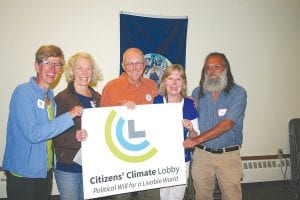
{"type": "Point", "coordinates": [69, 185]}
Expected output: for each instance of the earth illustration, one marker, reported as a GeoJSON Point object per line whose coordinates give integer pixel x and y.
{"type": "Point", "coordinates": [155, 66]}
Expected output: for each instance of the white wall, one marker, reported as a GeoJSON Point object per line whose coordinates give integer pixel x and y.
{"type": "Point", "coordinates": [260, 37]}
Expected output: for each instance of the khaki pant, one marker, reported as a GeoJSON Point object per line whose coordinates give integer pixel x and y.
{"type": "Point", "coordinates": [226, 167]}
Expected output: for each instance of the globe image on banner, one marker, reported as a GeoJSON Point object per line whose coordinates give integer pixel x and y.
{"type": "Point", "coordinates": [155, 66]}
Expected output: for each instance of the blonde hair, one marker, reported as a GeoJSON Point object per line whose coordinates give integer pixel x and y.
{"type": "Point", "coordinates": [69, 68]}
{"type": "Point", "coordinates": [168, 71]}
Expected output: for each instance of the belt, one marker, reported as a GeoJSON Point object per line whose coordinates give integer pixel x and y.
{"type": "Point", "coordinates": [219, 151]}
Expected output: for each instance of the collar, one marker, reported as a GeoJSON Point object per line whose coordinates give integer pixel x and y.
{"type": "Point", "coordinates": [181, 102]}
{"type": "Point", "coordinates": [124, 76]}
{"type": "Point", "coordinates": [38, 89]}
{"type": "Point", "coordinates": [95, 95]}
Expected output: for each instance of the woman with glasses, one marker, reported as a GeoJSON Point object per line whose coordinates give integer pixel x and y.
{"type": "Point", "coordinates": [28, 158]}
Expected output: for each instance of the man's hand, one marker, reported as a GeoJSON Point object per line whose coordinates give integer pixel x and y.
{"type": "Point", "coordinates": [189, 143]}
{"type": "Point", "coordinates": [129, 104]}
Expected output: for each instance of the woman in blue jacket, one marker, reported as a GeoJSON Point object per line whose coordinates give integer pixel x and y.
{"type": "Point", "coordinates": [173, 89]}
{"type": "Point", "coordinates": [28, 157]}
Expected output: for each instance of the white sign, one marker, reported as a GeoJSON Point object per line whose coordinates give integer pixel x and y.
{"type": "Point", "coordinates": [132, 150]}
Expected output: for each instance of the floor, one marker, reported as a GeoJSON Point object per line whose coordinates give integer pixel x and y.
{"type": "Point", "coordinates": [277, 190]}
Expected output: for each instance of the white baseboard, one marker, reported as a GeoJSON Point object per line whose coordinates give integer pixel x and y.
{"type": "Point", "coordinates": [2, 185]}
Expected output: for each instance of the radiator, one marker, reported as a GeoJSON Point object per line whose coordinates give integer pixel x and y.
{"type": "Point", "coordinates": [266, 170]}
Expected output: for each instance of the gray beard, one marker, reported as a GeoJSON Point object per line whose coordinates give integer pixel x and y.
{"type": "Point", "coordinates": [215, 85]}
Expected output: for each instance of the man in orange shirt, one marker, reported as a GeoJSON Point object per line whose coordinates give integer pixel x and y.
{"type": "Point", "coordinates": [131, 89]}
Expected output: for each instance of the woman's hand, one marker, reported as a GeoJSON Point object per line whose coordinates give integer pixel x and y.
{"type": "Point", "coordinates": [81, 135]}
{"type": "Point", "coordinates": [187, 124]}
{"type": "Point", "coordinates": [76, 111]}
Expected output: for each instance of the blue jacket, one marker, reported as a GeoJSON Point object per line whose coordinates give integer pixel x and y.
{"type": "Point", "coordinates": [189, 112]}
{"type": "Point", "coordinates": [28, 129]}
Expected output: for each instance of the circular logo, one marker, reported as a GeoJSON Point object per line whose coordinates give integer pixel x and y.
{"type": "Point", "coordinates": [109, 130]}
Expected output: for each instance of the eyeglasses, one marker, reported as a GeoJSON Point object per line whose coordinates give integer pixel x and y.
{"type": "Point", "coordinates": [50, 63]}
{"type": "Point", "coordinates": [214, 66]}
{"type": "Point", "coordinates": [137, 65]}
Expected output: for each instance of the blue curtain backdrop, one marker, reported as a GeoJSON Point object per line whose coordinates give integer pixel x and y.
{"type": "Point", "coordinates": [163, 41]}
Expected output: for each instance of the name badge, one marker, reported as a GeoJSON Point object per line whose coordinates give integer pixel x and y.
{"type": "Point", "coordinates": [40, 104]}
{"type": "Point", "coordinates": [148, 97]}
{"type": "Point", "coordinates": [93, 104]}
{"type": "Point", "coordinates": [222, 112]}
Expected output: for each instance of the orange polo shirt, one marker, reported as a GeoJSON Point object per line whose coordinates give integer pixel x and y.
{"type": "Point", "coordinates": [120, 89]}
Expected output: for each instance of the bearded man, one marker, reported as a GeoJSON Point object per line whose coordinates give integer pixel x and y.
{"type": "Point", "coordinates": [221, 107]}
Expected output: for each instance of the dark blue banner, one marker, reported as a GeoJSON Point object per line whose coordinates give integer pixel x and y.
{"type": "Point", "coordinates": [163, 41]}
